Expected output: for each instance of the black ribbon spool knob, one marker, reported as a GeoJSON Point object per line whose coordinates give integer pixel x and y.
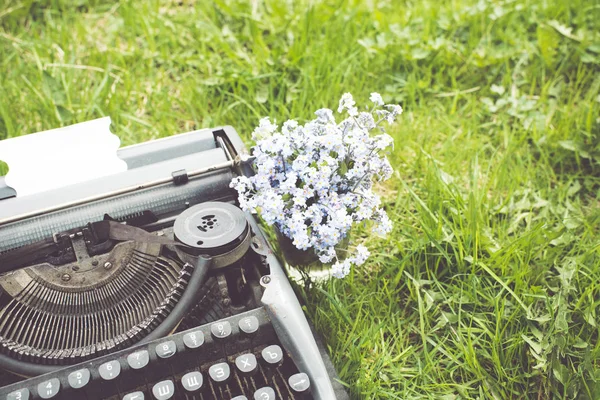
{"type": "Point", "coordinates": [213, 228]}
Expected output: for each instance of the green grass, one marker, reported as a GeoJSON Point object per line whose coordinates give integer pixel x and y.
{"type": "Point", "coordinates": [489, 286]}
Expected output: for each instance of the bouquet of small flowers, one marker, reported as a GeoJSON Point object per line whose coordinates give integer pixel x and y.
{"type": "Point", "coordinates": [313, 182]}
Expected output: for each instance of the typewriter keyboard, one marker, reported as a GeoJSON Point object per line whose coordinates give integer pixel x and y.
{"type": "Point", "coordinates": [235, 358]}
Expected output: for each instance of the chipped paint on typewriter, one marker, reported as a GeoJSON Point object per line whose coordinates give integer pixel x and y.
{"type": "Point", "coordinates": [152, 284]}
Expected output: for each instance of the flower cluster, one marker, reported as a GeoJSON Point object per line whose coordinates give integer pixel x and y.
{"type": "Point", "coordinates": [313, 182]}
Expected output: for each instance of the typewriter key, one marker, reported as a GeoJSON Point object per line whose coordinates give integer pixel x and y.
{"type": "Point", "coordinates": [193, 340]}
{"type": "Point", "coordinates": [48, 389]}
{"type": "Point", "coordinates": [192, 381]}
{"type": "Point", "coordinates": [246, 363]}
{"type": "Point", "coordinates": [110, 370]}
{"type": "Point", "coordinates": [221, 329]}
{"type": "Point", "coordinates": [219, 372]}
{"type": "Point", "coordinates": [265, 393]}
{"type": "Point", "coordinates": [138, 360]}
{"type": "Point", "coordinates": [299, 383]}
{"type": "Point", "coordinates": [80, 378]}
{"type": "Point", "coordinates": [166, 349]}
{"type": "Point", "coordinates": [21, 394]}
{"type": "Point", "coordinates": [163, 390]}
{"type": "Point", "coordinates": [273, 355]}
{"type": "Point", "coordinates": [134, 396]}
{"type": "Point", "coordinates": [248, 325]}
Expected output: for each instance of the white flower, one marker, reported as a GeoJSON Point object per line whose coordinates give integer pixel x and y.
{"type": "Point", "coordinates": [347, 103]}
{"type": "Point", "coordinates": [366, 121]}
{"type": "Point", "coordinates": [290, 181]}
{"type": "Point", "coordinates": [395, 110]}
{"type": "Point", "coordinates": [325, 115]}
{"type": "Point", "coordinates": [300, 163]}
{"type": "Point", "coordinates": [264, 130]}
{"type": "Point", "coordinates": [327, 255]}
{"type": "Point", "coordinates": [314, 181]}
{"type": "Point", "coordinates": [289, 127]}
{"type": "Point", "coordinates": [376, 98]}
{"type": "Point", "coordinates": [362, 253]}
{"type": "Point", "coordinates": [300, 201]}
{"type": "Point", "coordinates": [384, 225]}
{"type": "Point", "coordinates": [341, 268]}
{"type": "Point", "coordinates": [340, 219]}
{"type": "Point", "coordinates": [383, 141]}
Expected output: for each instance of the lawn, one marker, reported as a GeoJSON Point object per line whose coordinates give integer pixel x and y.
{"type": "Point", "coordinates": [489, 285]}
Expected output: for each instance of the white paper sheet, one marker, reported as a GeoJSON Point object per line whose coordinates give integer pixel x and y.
{"type": "Point", "coordinates": [61, 157]}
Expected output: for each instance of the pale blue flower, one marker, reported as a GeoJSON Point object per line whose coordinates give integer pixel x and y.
{"type": "Point", "coordinates": [314, 181]}
{"type": "Point", "coordinates": [347, 103]}
{"type": "Point", "coordinates": [264, 130]}
{"type": "Point", "coordinates": [376, 98]}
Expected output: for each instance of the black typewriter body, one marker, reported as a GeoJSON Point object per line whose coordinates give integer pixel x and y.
{"type": "Point", "coordinates": [152, 284]}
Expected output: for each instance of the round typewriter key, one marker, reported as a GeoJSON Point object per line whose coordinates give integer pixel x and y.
{"type": "Point", "coordinates": [221, 330]}
{"type": "Point", "coordinates": [163, 390]}
{"type": "Point", "coordinates": [48, 389]}
{"type": "Point", "coordinates": [21, 394]}
{"type": "Point", "coordinates": [110, 370]}
{"type": "Point", "coordinates": [192, 381]}
{"type": "Point", "coordinates": [265, 393]}
{"type": "Point", "coordinates": [134, 396]}
{"type": "Point", "coordinates": [299, 383]}
{"type": "Point", "coordinates": [80, 378]}
{"type": "Point", "coordinates": [138, 360]}
{"type": "Point", "coordinates": [242, 397]}
{"type": "Point", "coordinates": [272, 354]}
{"type": "Point", "coordinates": [249, 324]}
{"type": "Point", "coordinates": [193, 340]}
{"type": "Point", "coordinates": [246, 363]}
{"type": "Point", "coordinates": [166, 349]}
{"type": "Point", "coordinates": [219, 372]}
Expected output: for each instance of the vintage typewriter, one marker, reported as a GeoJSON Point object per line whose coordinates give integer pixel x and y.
{"type": "Point", "coordinates": [152, 284]}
